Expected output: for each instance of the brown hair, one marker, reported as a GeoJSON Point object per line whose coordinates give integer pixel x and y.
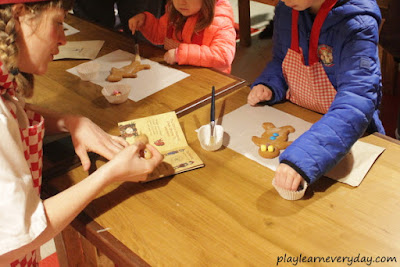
{"type": "Point", "coordinates": [206, 16]}
{"type": "Point", "coordinates": [8, 36]}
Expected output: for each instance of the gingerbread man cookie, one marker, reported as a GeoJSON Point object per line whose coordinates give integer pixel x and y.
{"type": "Point", "coordinates": [142, 138]}
{"type": "Point", "coordinates": [128, 71]}
{"type": "Point", "coordinates": [272, 140]}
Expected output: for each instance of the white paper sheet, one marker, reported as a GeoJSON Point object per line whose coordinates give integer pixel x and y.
{"type": "Point", "coordinates": [246, 121]}
{"type": "Point", "coordinates": [243, 123]}
{"type": "Point", "coordinates": [146, 83]}
{"type": "Point", "coordinates": [356, 164]}
{"type": "Point", "coordinates": [80, 50]}
{"type": "Point", "coordinates": [69, 30]}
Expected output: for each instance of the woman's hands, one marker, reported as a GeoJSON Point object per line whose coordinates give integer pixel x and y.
{"type": "Point", "coordinates": [136, 22]}
{"type": "Point", "coordinates": [126, 162]}
{"type": "Point", "coordinates": [287, 178]}
{"type": "Point", "coordinates": [87, 136]}
{"type": "Point", "coordinates": [258, 94]}
{"type": "Point", "coordinates": [129, 165]}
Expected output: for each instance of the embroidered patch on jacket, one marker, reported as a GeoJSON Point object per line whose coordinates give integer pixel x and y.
{"type": "Point", "coordinates": [325, 55]}
{"type": "Point", "coordinates": [365, 63]}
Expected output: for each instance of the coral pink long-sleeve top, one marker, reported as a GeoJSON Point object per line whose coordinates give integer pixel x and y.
{"type": "Point", "coordinates": [213, 47]}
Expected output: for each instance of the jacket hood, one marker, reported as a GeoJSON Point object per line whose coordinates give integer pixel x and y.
{"type": "Point", "coordinates": [351, 8]}
{"type": "Point", "coordinates": [223, 9]}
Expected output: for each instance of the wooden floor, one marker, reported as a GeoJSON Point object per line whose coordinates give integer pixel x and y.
{"type": "Point", "coordinates": [250, 61]}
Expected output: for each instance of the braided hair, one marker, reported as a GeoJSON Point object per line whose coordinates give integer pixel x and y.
{"type": "Point", "coordinates": [8, 36]}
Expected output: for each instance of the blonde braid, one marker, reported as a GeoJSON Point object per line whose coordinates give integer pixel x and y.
{"type": "Point", "coordinates": [8, 46]}
{"type": "Point", "coordinates": [9, 51]}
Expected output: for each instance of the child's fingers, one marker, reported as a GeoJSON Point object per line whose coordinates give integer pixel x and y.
{"type": "Point", "coordinates": [266, 95]}
{"type": "Point", "coordinates": [132, 23]}
{"type": "Point", "coordinates": [252, 98]}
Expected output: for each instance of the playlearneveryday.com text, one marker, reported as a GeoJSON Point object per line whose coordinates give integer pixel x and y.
{"type": "Point", "coordinates": [348, 260]}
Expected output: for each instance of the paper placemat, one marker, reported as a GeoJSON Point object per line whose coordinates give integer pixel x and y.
{"type": "Point", "coordinates": [69, 30]}
{"type": "Point", "coordinates": [80, 50]}
{"type": "Point", "coordinates": [146, 83]}
{"type": "Point", "coordinates": [356, 164]}
{"type": "Point", "coordinates": [243, 123]}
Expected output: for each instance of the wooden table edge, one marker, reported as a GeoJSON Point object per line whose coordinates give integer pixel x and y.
{"type": "Point", "coordinates": [186, 109]}
{"type": "Point", "coordinates": [111, 246]}
{"type": "Point", "coordinates": [387, 138]}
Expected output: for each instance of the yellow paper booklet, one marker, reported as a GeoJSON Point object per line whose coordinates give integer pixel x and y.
{"type": "Point", "coordinates": [165, 133]}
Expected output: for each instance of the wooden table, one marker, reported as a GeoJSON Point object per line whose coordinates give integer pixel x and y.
{"type": "Point", "coordinates": [228, 213]}
{"type": "Point", "coordinates": [65, 92]}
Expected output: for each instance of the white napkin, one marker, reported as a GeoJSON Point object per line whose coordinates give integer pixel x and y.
{"type": "Point", "coordinates": [246, 121]}
{"type": "Point", "coordinates": [146, 83]}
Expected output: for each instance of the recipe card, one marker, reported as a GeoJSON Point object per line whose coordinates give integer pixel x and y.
{"type": "Point", "coordinates": [164, 133]}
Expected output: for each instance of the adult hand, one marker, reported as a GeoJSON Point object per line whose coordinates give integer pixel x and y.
{"type": "Point", "coordinates": [87, 136]}
{"type": "Point", "coordinates": [136, 22]}
{"type": "Point", "coordinates": [170, 56]}
{"type": "Point", "coordinates": [258, 94]}
{"type": "Point", "coordinates": [129, 165]}
{"type": "Point", "coordinates": [286, 177]}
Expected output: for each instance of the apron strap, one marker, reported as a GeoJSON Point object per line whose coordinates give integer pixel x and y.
{"type": "Point", "coordinates": [295, 31]}
{"type": "Point", "coordinates": [326, 7]}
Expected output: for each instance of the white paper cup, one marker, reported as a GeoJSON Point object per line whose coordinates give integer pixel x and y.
{"type": "Point", "coordinates": [204, 135]}
{"type": "Point", "coordinates": [290, 195]}
{"type": "Point", "coordinates": [109, 92]}
{"type": "Point", "coordinates": [88, 71]}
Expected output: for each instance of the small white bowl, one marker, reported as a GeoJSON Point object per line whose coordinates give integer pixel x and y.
{"type": "Point", "coordinates": [88, 71]}
{"type": "Point", "coordinates": [109, 92]}
{"type": "Point", "coordinates": [204, 135]}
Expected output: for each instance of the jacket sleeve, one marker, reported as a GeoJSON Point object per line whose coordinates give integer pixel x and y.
{"type": "Point", "coordinates": [272, 75]}
{"type": "Point", "coordinates": [155, 29]}
{"type": "Point", "coordinates": [358, 95]}
{"type": "Point", "coordinates": [219, 54]}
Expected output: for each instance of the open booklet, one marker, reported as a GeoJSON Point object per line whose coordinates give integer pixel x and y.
{"type": "Point", "coordinates": [165, 133]}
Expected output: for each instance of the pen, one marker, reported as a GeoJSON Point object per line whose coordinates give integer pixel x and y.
{"type": "Point", "coordinates": [137, 54]}
{"type": "Point", "coordinates": [212, 113]}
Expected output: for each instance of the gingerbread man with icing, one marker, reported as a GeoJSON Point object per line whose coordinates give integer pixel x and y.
{"type": "Point", "coordinates": [272, 140]}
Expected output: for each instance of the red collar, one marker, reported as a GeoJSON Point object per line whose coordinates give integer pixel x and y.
{"type": "Point", "coordinates": [315, 31]}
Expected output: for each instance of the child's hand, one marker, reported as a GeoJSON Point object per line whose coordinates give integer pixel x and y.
{"type": "Point", "coordinates": [170, 56]}
{"type": "Point", "coordinates": [130, 165]}
{"type": "Point", "coordinates": [136, 22]}
{"type": "Point", "coordinates": [258, 94]}
{"type": "Point", "coordinates": [287, 178]}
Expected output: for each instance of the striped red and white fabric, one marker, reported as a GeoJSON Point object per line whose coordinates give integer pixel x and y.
{"type": "Point", "coordinates": [32, 138]}
{"type": "Point", "coordinates": [309, 86]}
{"type": "Point", "coordinates": [32, 141]}
{"type": "Point", "coordinates": [7, 81]}
{"type": "Point", "coordinates": [27, 261]}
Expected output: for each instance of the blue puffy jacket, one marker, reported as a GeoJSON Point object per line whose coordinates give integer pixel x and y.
{"type": "Point", "coordinates": [351, 29]}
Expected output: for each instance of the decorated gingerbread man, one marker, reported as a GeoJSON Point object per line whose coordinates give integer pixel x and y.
{"type": "Point", "coordinates": [272, 140]}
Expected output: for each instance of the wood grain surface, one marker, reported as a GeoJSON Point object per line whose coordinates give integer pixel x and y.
{"type": "Point", "coordinates": [229, 214]}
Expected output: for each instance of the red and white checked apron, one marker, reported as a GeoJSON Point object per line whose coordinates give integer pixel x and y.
{"type": "Point", "coordinates": [32, 141]}
{"type": "Point", "coordinates": [309, 86]}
